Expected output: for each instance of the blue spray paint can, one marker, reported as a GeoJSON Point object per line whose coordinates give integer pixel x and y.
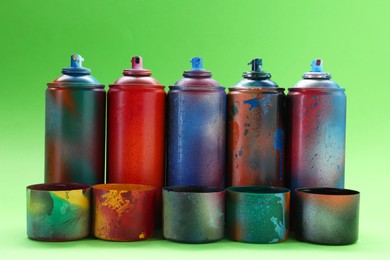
{"type": "Point", "coordinates": [255, 130]}
{"type": "Point", "coordinates": [196, 130]}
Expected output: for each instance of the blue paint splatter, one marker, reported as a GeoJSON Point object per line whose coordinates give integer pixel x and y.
{"type": "Point", "coordinates": [259, 102]}
{"type": "Point", "coordinates": [279, 145]}
{"type": "Point", "coordinates": [246, 132]}
{"type": "Point", "coordinates": [240, 152]}
{"type": "Point", "coordinates": [280, 226]}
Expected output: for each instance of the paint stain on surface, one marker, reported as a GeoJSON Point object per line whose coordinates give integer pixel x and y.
{"type": "Point", "coordinates": [280, 226]}
{"type": "Point", "coordinates": [263, 103]}
{"type": "Point", "coordinates": [279, 145]}
{"type": "Point", "coordinates": [234, 110]}
{"type": "Point", "coordinates": [115, 200]}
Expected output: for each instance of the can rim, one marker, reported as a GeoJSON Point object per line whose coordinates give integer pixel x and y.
{"type": "Point", "coordinates": [327, 191]}
{"type": "Point", "coordinates": [258, 190]}
{"type": "Point", "coordinates": [123, 187]}
{"type": "Point", "coordinates": [193, 189]}
{"type": "Point", "coordinates": [58, 186]}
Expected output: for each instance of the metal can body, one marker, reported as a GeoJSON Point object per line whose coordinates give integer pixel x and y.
{"type": "Point", "coordinates": [328, 216]}
{"type": "Point", "coordinates": [196, 136]}
{"type": "Point", "coordinates": [58, 211]}
{"type": "Point", "coordinates": [257, 214]}
{"type": "Point", "coordinates": [194, 214]}
{"type": "Point", "coordinates": [75, 131]}
{"type": "Point", "coordinates": [135, 152]}
{"type": "Point", "coordinates": [136, 130]}
{"type": "Point", "coordinates": [255, 137]}
{"type": "Point", "coordinates": [196, 121]}
{"type": "Point", "coordinates": [123, 212]}
{"type": "Point", "coordinates": [317, 117]}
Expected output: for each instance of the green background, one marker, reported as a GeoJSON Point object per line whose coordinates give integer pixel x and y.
{"type": "Point", "coordinates": [38, 37]}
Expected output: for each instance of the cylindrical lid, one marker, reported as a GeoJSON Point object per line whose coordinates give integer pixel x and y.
{"type": "Point", "coordinates": [197, 76]}
{"type": "Point", "coordinates": [137, 75]}
{"type": "Point", "coordinates": [316, 78]}
{"type": "Point", "coordinates": [257, 77]}
{"type": "Point", "coordinates": [76, 73]}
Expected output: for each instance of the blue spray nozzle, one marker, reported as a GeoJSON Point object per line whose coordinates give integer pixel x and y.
{"type": "Point", "coordinates": [76, 66]}
{"type": "Point", "coordinates": [256, 64]}
{"type": "Point", "coordinates": [196, 63]}
{"type": "Point", "coordinates": [76, 61]}
{"type": "Point", "coordinates": [316, 65]}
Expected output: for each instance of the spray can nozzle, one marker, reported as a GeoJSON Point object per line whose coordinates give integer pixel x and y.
{"type": "Point", "coordinates": [256, 64]}
{"type": "Point", "coordinates": [76, 61]}
{"type": "Point", "coordinates": [257, 72]}
{"type": "Point", "coordinates": [196, 63]}
{"type": "Point", "coordinates": [136, 62]}
{"type": "Point", "coordinates": [76, 66]}
{"type": "Point", "coordinates": [316, 71]}
{"type": "Point", "coordinates": [316, 65]}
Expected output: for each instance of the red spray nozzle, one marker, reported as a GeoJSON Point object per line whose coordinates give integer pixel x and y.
{"type": "Point", "coordinates": [136, 62]}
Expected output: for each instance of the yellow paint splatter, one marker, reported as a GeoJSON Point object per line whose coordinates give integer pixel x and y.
{"type": "Point", "coordinates": [114, 200]}
{"type": "Point", "coordinates": [141, 236]}
{"type": "Point", "coordinates": [75, 197]}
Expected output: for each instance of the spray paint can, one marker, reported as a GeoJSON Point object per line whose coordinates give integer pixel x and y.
{"type": "Point", "coordinates": [316, 120]}
{"type": "Point", "coordinates": [136, 130]}
{"type": "Point", "coordinates": [75, 127]}
{"type": "Point", "coordinates": [196, 130]}
{"type": "Point", "coordinates": [255, 130]}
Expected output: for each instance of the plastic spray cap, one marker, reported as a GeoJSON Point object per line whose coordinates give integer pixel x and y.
{"type": "Point", "coordinates": [136, 63]}
{"type": "Point", "coordinates": [257, 71]}
{"type": "Point", "coordinates": [137, 69]}
{"type": "Point", "coordinates": [256, 64]}
{"type": "Point", "coordinates": [196, 63]}
{"type": "Point", "coordinates": [316, 71]}
{"type": "Point", "coordinates": [76, 66]}
{"type": "Point", "coordinates": [316, 65]}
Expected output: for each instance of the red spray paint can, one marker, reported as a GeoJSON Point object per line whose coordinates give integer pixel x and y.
{"type": "Point", "coordinates": [316, 122]}
{"type": "Point", "coordinates": [135, 130]}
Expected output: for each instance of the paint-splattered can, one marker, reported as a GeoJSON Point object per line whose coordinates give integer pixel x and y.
{"type": "Point", "coordinates": [316, 121]}
{"type": "Point", "coordinates": [193, 214]}
{"type": "Point", "coordinates": [327, 216]}
{"type": "Point", "coordinates": [257, 214]}
{"type": "Point", "coordinates": [58, 211]}
{"type": "Point", "coordinates": [255, 130]}
{"type": "Point", "coordinates": [75, 127]}
{"type": "Point", "coordinates": [136, 130]}
{"type": "Point", "coordinates": [123, 212]}
{"type": "Point", "coordinates": [196, 130]}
